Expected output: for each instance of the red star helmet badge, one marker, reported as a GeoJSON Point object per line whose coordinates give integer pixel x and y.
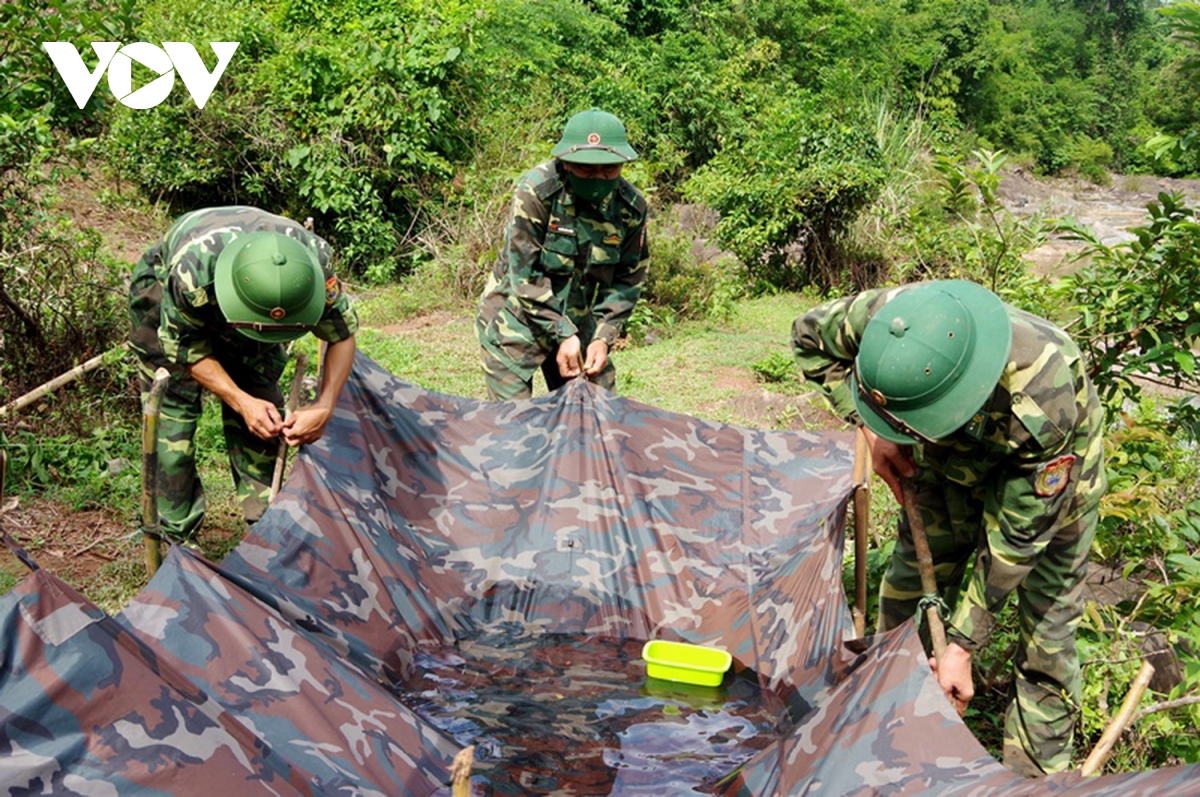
{"type": "Point", "coordinates": [593, 138]}
{"type": "Point", "coordinates": [277, 313]}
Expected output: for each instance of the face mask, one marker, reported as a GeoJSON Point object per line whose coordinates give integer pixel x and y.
{"type": "Point", "coordinates": [591, 189]}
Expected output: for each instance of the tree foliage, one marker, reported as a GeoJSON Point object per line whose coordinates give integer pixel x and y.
{"type": "Point", "coordinates": [788, 191]}
{"type": "Point", "coordinates": [59, 296]}
{"type": "Point", "coordinates": [1139, 302]}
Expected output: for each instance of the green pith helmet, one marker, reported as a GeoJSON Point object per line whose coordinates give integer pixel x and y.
{"type": "Point", "coordinates": [269, 286]}
{"type": "Point", "coordinates": [929, 359]}
{"type": "Point", "coordinates": [594, 137]}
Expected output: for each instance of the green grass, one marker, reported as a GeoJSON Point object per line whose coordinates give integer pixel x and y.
{"type": "Point", "coordinates": [691, 367]}
{"type": "Point", "coordinates": [700, 364]}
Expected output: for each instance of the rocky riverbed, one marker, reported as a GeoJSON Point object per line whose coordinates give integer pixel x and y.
{"type": "Point", "coordinates": [1110, 210]}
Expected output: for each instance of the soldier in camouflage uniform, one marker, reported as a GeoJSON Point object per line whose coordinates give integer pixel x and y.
{"type": "Point", "coordinates": [212, 302]}
{"type": "Point", "coordinates": [572, 268]}
{"type": "Point", "coordinates": [990, 412]}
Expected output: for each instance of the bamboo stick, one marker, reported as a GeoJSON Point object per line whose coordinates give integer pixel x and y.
{"type": "Point", "coordinates": [57, 382]}
{"type": "Point", "coordinates": [862, 510]}
{"type": "Point", "coordinates": [292, 402]}
{"type": "Point", "coordinates": [150, 415]}
{"type": "Point", "coordinates": [937, 631]}
{"type": "Point", "coordinates": [1117, 726]}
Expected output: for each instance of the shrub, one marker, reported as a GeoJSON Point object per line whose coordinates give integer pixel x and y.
{"type": "Point", "coordinates": [686, 276]}
{"type": "Point", "coordinates": [789, 189]}
{"type": "Point", "coordinates": [335, 112]}
{"type": "Point", "coordinates": [1138, 302]}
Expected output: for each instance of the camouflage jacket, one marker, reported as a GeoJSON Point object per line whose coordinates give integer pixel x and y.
{"type": "Point", "coordinates": [565, 269]}
{"type": "Point", "coordinates": [1033, 455]}
{"type": "Point", "coordinates": [173, 304]}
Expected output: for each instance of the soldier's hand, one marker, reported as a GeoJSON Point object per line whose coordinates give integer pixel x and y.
{"type": "Point", "coordinates": [891, 462]}
{"type": "Point", "coordinates": [306, 425]}
{"type": "Point", "coordinates": [954, 676]}
{"type": "Point", "coordinates": [597, 357]}
{"type": "Point", "coordinates": [261, 416]}
{"type": "Point", "coordinates": [570, 358]}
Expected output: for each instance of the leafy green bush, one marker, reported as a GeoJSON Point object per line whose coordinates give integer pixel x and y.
{"type": "Point", "coordinates": [789, 189]}
{"type": "Point", "coordinates": [1138, 302]}
{"type": "Point", "coordinates": [335, 112]}
{"type": "Point", "coordinates": [29, 84]}
{"type": "Point", "coordinates": [59, 303]}
{"type": "Point", "coordinates": [962, 231]}
{"type": "Point", "coordinates": [685, 286]}
{"type": "Point", "coordinates": [100, 469]}
{"type": "Point", "coordinates": [775, 367]}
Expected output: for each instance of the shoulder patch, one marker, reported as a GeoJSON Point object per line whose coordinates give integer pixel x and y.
{"type": "Point", "coordinates": [974, 427]}
{"type": "Point", "coordinates": [1052, 477]}
{"type": "Point", "coordinates": [543, 181]}
{"type": "Point", "coordinates": [333, 289]}
{"type": "Point", "coordinates": [632, 196]}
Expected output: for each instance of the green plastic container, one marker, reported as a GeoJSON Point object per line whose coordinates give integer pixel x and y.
{"type": "Point", "coordinates": [689, 664]}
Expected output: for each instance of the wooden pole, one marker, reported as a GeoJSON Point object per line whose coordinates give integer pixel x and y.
{"type": "Point", "coordinates": [292, 402]}
{"type": "Point", "coordinates": [937, 631]}
{"type": "Point", "coordinates": [57, 382]}
{"type": "Point", "coordinates": [862, 510]}
{"type": "Point", "coordinates": [460, 772]}
{"type": "Point", "coordinates": [1117, 726]}
{"type": "Point", "coordinates": [150, 415]}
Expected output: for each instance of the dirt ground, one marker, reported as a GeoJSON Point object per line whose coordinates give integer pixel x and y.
{"type": "Point", "coordinates": [73, 545]}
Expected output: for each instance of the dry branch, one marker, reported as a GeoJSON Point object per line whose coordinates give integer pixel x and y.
{"type": "Point", "coordinates": [1113, 732]}
{"type": "Point", "coordinates": [57, 382]}
{"type": "Point", "coordinates": [1166, 705]}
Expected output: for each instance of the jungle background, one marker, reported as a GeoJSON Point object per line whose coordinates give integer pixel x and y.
{"type": "Point", "coordinates": [792, 150]}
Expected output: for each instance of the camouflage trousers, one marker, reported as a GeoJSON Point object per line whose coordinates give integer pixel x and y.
{"type": "Point", "coordinates": [503, 383]}
{"type": "Point", "coordinates": [1043, 710]}
{"type": "Point", "coordinates": [180, 495]}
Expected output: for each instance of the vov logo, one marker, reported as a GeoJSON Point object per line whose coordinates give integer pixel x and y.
{"type": "Point", "coordinates": [172, 57]}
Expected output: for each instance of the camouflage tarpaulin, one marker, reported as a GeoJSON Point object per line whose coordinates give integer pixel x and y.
{"type": "Point", "coordinates": [421, 519]}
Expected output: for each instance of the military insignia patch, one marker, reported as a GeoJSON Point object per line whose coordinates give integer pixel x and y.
{"type": "Point", "coordinates": [974, 427]}
{"type": "Point", "coordinates": [612, 240]}
{"type": "Point", "coordinates": [333, 289]}
{"type": "Point", "coordinates": [1052, 476]}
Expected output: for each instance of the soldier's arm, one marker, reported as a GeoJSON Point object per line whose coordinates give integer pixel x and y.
{"type": "Point", "coordinates": [825, 343]}
{"type": "Point", "coordinates": [261, 416]}
{"type": "Point", "coordinates": [528, 280]}
{"type": "Point", "coordinates": [308, 423]}
{"type": "Point", "coordinates": [185, 332]}
{"type": "Point", "coordinates": [183, 329]}
{"type": "Point", "coordinates": [615, 304]}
